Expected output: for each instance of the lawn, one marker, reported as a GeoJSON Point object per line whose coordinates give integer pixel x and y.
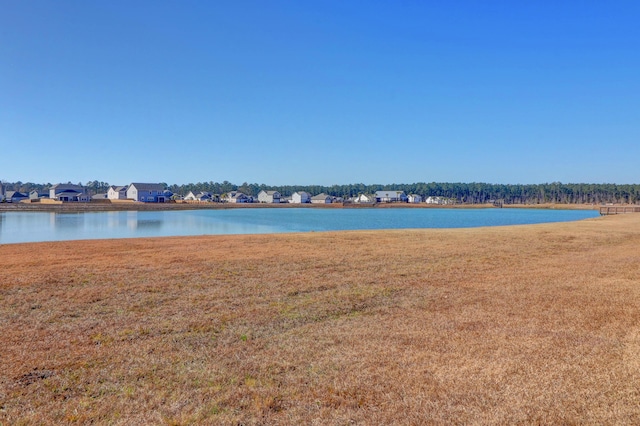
{"type": "Point", "coordinates": [524, 324]}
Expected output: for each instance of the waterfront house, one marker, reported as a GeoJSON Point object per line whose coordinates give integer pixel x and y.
{"type": "Point", "coordinates": [391, 197]}
{"type": "Point", "coordinates": [272, 197]}
{"type": "Point", "coordinates": [200, 196]}
{"type": "Point", "coordinates": [38, 195]}
{"type": "Point", "coordinates": [68, 192]}
{"type": "Point", "coordinates": [300, 197]}
{"type": "Point", "coordinates": [322, 199]}
{"type": "Point", "coordinates": [237, 197]}
{"type": "Point", "coordinates": [15, 196]}
{"type": "Point", "coordinates": [437, 200]}
{"type": "Point", "coordinates": [365, 199]}
{"type": "Point", "coordinates": [146, 192]}
{"type": "Point", "coordinates": [414, 198]}
{"type": "Point", "coordinates": [117, 193]}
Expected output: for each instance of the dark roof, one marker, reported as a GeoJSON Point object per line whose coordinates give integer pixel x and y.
{"type": "Point", "coordinates": [67, 186]}
{"type": "Point", "coordinates": [148, 186]}
{"type": "Point", "coordinates": [12, 194]}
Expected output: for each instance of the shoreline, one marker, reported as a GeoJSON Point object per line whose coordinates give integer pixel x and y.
{"type": "Point", "coordinates": [140, 206]}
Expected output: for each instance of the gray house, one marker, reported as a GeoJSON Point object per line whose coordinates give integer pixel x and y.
{"type": "Point", "coordinates": [15, 196]}
{"type": "Point", "coordinates": [146, 192]}
{"type": "Point", "coordinates": [237, 197]}
{"type": "Point", "coordinates": [269, 197]}
{"type": "Point", "coordinates": [68, 192]}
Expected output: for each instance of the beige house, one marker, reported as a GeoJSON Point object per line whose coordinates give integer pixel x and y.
{"type": "Point", "coordinates": [322, 199]}
{"type": "Point", "coordinates": [272, 197]}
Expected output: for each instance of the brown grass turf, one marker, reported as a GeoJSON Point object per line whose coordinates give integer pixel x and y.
{"type": "Point", "coordinates": [525, 324]}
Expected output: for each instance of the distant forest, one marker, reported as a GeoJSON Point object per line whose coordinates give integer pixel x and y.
{"type": "Point", "coordinates": [464, 193]}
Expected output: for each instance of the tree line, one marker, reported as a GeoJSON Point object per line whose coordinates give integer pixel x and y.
{"type": "Point", "coordinates": [463, 193]}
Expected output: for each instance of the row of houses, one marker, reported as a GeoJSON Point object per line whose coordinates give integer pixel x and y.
{"type": "Point", "coordinates": [274, 197]}
{"type": "Point", "coordinates": [60, 192]}
{"type": "Point", "coordinates": [268, 197]}
{"type": "Point", "coordinates": [157, 193]}
{"type": "Point", "coordinates": [66, 192]}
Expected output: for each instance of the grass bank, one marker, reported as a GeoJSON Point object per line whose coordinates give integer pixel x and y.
{"type": "Point", "coordinates": [524, 324]}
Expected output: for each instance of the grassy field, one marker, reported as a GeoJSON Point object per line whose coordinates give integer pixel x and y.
{"type": "Point", "coordinates": [526, 324]}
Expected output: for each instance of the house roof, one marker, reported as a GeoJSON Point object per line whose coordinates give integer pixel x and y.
{"type": "Point", "coordinates": [61, 186]}
{"type": "Point", "coordinates": [236, 194]}
{"type": "Point", "coordinates": [68, 192]}
{"type": "Point", "coordinates": [322, 196]}
{"type": "Point", "coordinates": [148, 186]}
{"type": "Point", "coordinates": [11, 194]}
{"type": "Point", "coordinates": [271, 192]}
{"type": "Point", "coordinates": [119, 188]}
{"type": "Point", "coordinates": [389, 194]}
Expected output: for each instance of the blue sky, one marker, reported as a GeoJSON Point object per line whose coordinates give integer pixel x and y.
{"type": "Point", "coordinates": [319, 92]}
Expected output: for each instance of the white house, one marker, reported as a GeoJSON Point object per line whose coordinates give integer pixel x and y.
{"type": "Point", "coordinates": [146, 192]}
{"type": "Point", "coordinates": [364, 198]}
{"type": "Point", "coordinates": [269, 197]}
{"type": "Point", "coordinates": [36, 195]}
{"type": "Point", "coordinates": [437, 200]}
{"type": "Point", "coordinates": [300, 197]}
{"type": "Point", "coordinates": [117, 193]}
{"type": "Point", "coordinates": [391, 196]}
{"type": "Point", "coordinates": [200, 196]}
{"type": "Point", "coordinates": [322, 199]}
{"type": "Point", "coordinates": [414, 198]}
{"type": "Point", "coordinates": [68, 192]}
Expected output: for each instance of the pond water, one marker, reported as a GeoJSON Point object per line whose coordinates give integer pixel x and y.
{"type": "Point", "coordinates": [16, 227]}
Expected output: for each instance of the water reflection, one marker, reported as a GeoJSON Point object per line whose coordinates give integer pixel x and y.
{"type": "Point", "coordinates": [66, 220]}
{"type": "Point", "coordinates": [31, 226]}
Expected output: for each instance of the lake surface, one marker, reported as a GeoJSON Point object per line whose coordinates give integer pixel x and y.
{"type": "Point", "coordinates": [16, 227]}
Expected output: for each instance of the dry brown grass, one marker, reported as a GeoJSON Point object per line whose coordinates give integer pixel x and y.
{"type": "Point", "coordinates": [527, 324]}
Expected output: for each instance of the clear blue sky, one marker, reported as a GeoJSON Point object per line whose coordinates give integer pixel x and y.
{"type": "Point", "coordinates": [319, 92]}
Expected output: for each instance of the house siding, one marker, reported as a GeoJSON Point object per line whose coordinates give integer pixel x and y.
{"type": "Point", "coordinates": [269, 197]}
{"type": "Point", "coordinates": [300, 198]}
{"type": "Point", "coordinates": [146, 192]}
